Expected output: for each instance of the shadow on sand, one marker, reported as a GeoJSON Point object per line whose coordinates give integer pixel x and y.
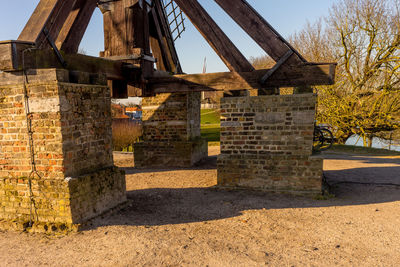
{"type": "Point", "coordinates": [162, 206]}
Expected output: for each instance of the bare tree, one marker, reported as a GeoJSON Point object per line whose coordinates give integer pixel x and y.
{"type": "Point", "coordinates": [363, 36]}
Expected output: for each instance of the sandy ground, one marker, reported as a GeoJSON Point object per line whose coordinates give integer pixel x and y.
{"type": "Point", "coordinates": [176, 218]}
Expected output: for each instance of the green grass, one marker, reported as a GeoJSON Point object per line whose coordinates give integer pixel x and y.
{"type": "Point", "coordinates": [211, 134]}
{"type": "Point", "coordinates": [210, 125]}
{"type": "Point", "coordinates": [210, 116]}
{"type": "Point", "coordinates": [364, 150]}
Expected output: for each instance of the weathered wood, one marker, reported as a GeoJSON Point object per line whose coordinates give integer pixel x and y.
{"type": "Point", "coordinates": [278, 64]}
{"type": "Point", "coordinates": [126, 29]}
{"type": "Point", "coordinates": [158, 44]}
{"type": "Point", "coordinates": [11, 54]}
{"type": "Point", "coordinates": [223, 46]}
{"type": "Point", "coordinates": [292, 76]}
{"type": "Point", "coordinates": [46, 59]}
{"type": "Point", "coordinates": [157, 53]}
{"type": "Point", "coordinates": [167, 37]}
{"type": "Point", "coordinates": [75, 26]}
{"type": "Point", "coordinates": [260, 30]}
{"type": "Point", "coordinates": [50, 15]}
{"type": "Point", "coordinates": [115, 30]}
{"type": "Point", "coordinates": [137, 23]}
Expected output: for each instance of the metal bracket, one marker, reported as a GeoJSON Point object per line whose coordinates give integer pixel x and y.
{"type": "Point", "coordinates": [53, 45]}
{"type": "Point", "coordinates": [277, 66]}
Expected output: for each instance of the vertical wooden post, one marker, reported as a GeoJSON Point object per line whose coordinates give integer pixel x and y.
{"type": "Point", "coordinates": [127, 35]}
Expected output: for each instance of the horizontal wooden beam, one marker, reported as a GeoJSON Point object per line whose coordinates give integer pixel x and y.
{"type": "Point", "coordinates": [11, 60]}
{"type": "Point", "coordinates": [11, 54]}
{"type": "Point", "coordinates": [296, 75]}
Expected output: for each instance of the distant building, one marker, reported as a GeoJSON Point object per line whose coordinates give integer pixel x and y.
{"type": "Point", "coordinates": [134, 113]}
{"type": "Point", "coordinates": [118, 114]}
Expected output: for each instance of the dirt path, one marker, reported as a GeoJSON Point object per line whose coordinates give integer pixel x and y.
{"type": "Point", "coordinates": [175, 218]}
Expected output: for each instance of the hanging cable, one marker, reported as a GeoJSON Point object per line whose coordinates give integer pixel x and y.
{"type": "Point", "coordinates": [33, 210]}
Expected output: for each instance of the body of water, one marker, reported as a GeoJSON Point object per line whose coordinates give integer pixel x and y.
{"type": "Point", "coordinates": [376, 143]}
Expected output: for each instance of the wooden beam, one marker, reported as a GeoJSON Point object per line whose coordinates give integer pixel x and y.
{"type": "Point", "coordinates": [137, 28]}
{"type": "Point", "coordinates": [75, 26]}
{"type": "Point", "coordinates": [292, 76]}
{"type": "Point", "coordinates": [260, 30]}
{"type": "Point", "coordinates": [165, 58]}
{"type": "Point", "coordinates": [115, 39]}
{"type": "Point", "coordinates": [46, 59]}
{"type": "Point", "coordinates": [158, 46]}
{"type": "Point", "coordinates": [223, 46]}
{"type": "Point", "coordinates": [50, 15]}
{"type": "Point", "coordinates": [11, 54]}
{"type": "Point", "coordinates": [167, 37]}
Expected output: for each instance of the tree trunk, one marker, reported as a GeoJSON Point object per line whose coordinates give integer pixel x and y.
{"type": "Point", "coordinates": [370, 138]}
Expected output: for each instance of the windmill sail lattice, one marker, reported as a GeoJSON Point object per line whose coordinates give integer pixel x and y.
{"type": "Point", "coordinates": [175, 18]}
{"type": "Point", "coordinates": [139, 36]}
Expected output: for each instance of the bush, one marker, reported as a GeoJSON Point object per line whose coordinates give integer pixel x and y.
{"type": "Point", "coordinates": [125, 133]}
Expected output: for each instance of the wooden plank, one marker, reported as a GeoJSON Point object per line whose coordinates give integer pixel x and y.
{"type": "Point", "coordinates": [260, 30]}
{"type": "Point", "coordinates": [156, 49]}
{"type": "Point", "coordinates": [292, 76]}
{"type": "Point", "coordinates": [11, 54]}
{"type": "Point", "coordinates": [49, 14]}
{"type": "Point", "coordinates": [158, 45]}
{"type": "Point", "coordinates": [6, 56]}
{"type": "Point", "coordinates": [278, 64]}
{"type": "Point", "coordinates": [117, 35]}
{"type": "Point", "coordinates": [46, 59]}
{"type": "Point", "coordinates": [223, 46]}
{"type": "Point", "coordinates": [167, 37]}
{"type": "Point", "coordinates": [137, 32]}
{"type": "Point", "coordinates": [75, 26]}
{"type": "Point", "coordinates": [38, 19]}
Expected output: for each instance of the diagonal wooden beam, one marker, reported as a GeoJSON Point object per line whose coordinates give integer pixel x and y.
{"type": "Point", "coordinates": [167, 36]}
{"type": "Point", "coordinates": [223, 46]}
{"type": "Point", "coordinates": [50, 15]}
{"type": "Point", "coordinates": [158, 44]}
{"type": "Point", "coordinates": [75, 26]}
{"type": "Point", "coordinates": [260, 30]}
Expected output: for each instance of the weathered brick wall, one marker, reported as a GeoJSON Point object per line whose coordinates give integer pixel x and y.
{"type": "Point", "coordinates": [59, 205]}
{"type": "Point", "coordinates": [71, 125]}
{"type": "Point", "coordinates": [171, 131]}
{"type": "Point", "coordinates": [86, 127]}
{"type": "Point", "coordinates": [171, 117]}
{"type": "Point", "coordinates": [266, 143]}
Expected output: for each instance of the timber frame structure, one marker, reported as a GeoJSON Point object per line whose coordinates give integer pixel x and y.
{"type": "Point", "coordinates": [137, 36]}
{"type": "Point", "coordinates": [56, 155]}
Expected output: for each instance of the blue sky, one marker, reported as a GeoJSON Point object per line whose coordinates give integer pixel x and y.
{"type": "Point", "coordinates": [287, 16]}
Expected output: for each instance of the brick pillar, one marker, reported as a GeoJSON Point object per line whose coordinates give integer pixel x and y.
{"type": "Point", "coordinates": [266, 143]}
{"type": "Point", "coordinates": [71, 125]}
{"type": "Point", "coordinates": [171, 131]}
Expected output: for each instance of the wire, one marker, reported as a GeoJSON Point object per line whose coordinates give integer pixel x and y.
{"type": "Point", "coordinates": [28, 114]}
